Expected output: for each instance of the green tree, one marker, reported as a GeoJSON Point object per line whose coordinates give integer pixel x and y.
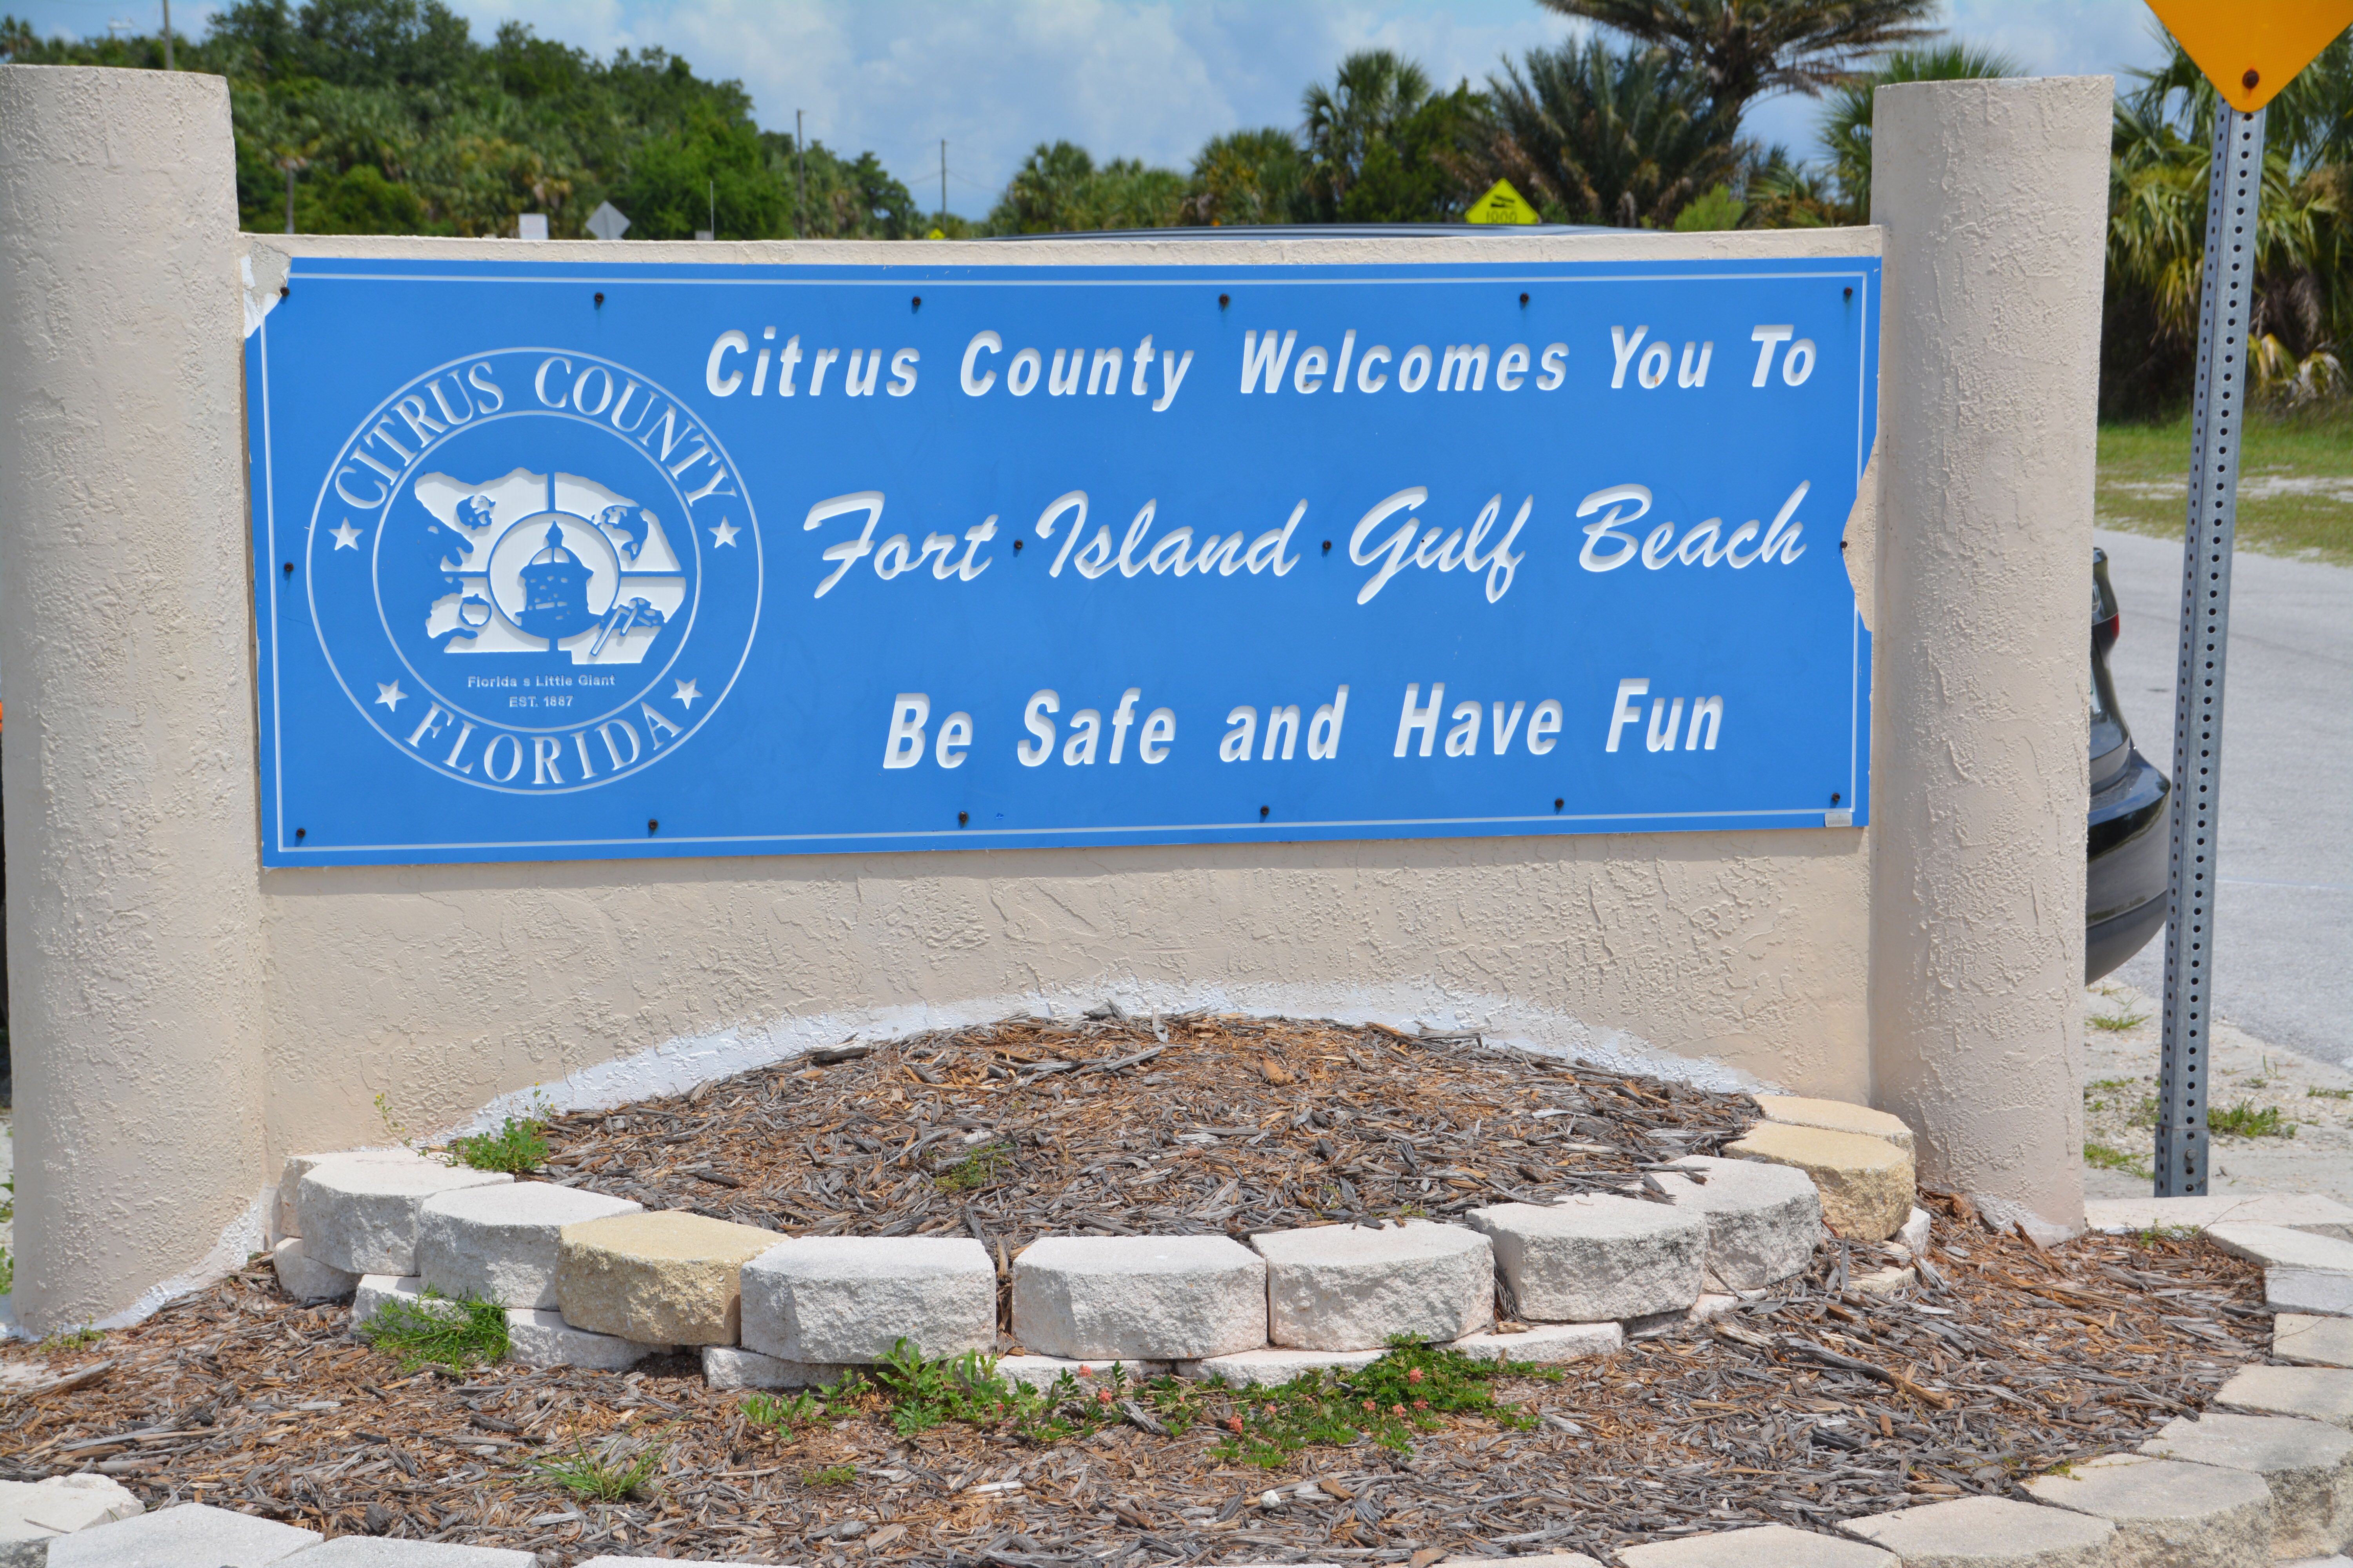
{"type": "Point", "coordinates": [1059, 189]}
{"type": "Point", "coordinates": [1248, 177]}
{"type": "Point", "coordinates": [1593, 135]}
{"type": "Point", "coordinates": [710, 173]}
{"type": "Point", "coordinates": [1845, 129]}
{"type": "Point", "coordinates": [1742, 49]}
{"type": "Point", "coordinates": [1382, 147]}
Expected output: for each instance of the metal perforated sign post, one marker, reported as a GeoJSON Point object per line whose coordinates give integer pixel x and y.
{"type": "Point", "coordinates": [2234, 187]}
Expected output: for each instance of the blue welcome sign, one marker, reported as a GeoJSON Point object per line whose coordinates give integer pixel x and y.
{"type": "Point", "coordinates": [560, 561]}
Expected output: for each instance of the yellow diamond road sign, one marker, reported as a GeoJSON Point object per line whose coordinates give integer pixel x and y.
{"type": "Point", "coordinates": [2250, 48]}
{"type": "Point", "coordinates": [1502, 205]}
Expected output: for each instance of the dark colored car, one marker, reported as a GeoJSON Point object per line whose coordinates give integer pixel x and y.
{"type": "Point", "coordinates": [2124, 894]}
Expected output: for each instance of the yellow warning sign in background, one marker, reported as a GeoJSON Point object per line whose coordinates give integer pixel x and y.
{"type": "Point", "coordinates": [2250, 48]}
{"type": "Point", "coordinates": [1502, 205]}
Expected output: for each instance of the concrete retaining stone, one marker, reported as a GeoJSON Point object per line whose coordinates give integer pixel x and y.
{"type": "Point", "coordinates": [2168, 1514]}
{"type": "Point", "coordinates": [499, 1244]}
{"type": "Point", "coordinates": [668, 1279]}
{"type": "Point", "coordinates": [641, 1563]}
{"type": "Point", "coordinates": [360, 1216]}
{"type": "Point", "coordinates": [1546, 1345]}
{"type": "Point", "coordinates": [1274, 1365]}
{"type": "Point", "coordinates": [2298, 1211]}
{"type": "Point", "coordinates": [2302, 1272]}
{"type": "Point", "coordinates": [2328, 1341]}
{"type": "Point", "coordinates": [2317, 1392]}
{"type": "Point", "coordinates": [1040, 1371]}
{"type": "Point", "coordinates": [375, 1289]}
{"type": "Point", "coordinates": [1835, 1116]}
{"type": "Point", "coordinates": [1592, 1257]}
{"type": "Point", "coordinates": [544, 1339]}
{"type": "Point", "coordinates": [2308, 1465]}
{"type": "Point", "coordinates": [1988, 1533]}
{"type": "Point", "coordinates": [1865, 1183]}
{"type": "Point", "coordinates": [724, 1366]}
{"type": "Point", "coordinates": [371, 1552]}
{"type": "Point", "coordinates": [1152, 1297]}
{"type": "Point", "coordinates": [306, 1280]}
{"type": "Point", "coordinates": [1536, 1559]}
{"type": "Point", "coordinates": [182, 1537]}
{"type": "Point", "coordinates": [1914, 1237]}
{"type": "Point", "coordinates": [37, 1510]}
{"type": "Point", "coordinates": [1763, 1221]}
{"type": "Point", "coordinates": [1348, 1286]}
{"type": "Point", "coordinates": [284, 1217]}
{"type": "Point", "coordinates": [848, 1299]}
{"type": "Point", "coordinates": [1765, 1546]}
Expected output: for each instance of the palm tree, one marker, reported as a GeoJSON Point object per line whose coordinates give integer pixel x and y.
{"type": "Point", "coordinates": [1374, 92]}
{"type": "Point", "coordinates": [1596, 136]}
{"type": "Point", "coordinates": [1845, 131]}
{"type": "Point", "coordinates": [1247, 177]}
{"type": "Point", "coordinates": [1742, 49]}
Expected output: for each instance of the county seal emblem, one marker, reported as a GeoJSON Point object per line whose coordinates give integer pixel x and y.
{"type": "Point", "coordinates": [534, 571]}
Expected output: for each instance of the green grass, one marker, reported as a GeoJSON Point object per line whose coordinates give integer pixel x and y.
{"type": "Point", "coordinates": [832, 1475]}
{"type": "Point", "coordinates": [979, 1169]}
{"type": "Point", "coordinates": [2317, 445]}
{"type": "Point", "coordinates": [1409, 1390]}
{"type": "Point", "coordinates": [428, 1333]}
{"type": "Point", "coordinates": [2115, 1023]}
{"type": "Point", "coordinates": [2329, 1094]}
{"type": "Point", "coordinates": [2243, 1120]}
{"type": "Point", "coordinates": [2108, 1159]}
{"type": "Point", "coordinates": [615, 1469]}
{"type": "Point", "coordinates": [67, 1341]}
{"type": "Point", "coordinates": [517, 1147]}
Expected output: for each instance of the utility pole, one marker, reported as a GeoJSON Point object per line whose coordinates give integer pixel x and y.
{"type": "Point", "coordinates": [167, 35]}
{"type": "Point", "coordinates": [943, 184]}
{"type": "Point", "coordinates": [711, 188]}
{"type": "Point", "coordinates": [800, 178]}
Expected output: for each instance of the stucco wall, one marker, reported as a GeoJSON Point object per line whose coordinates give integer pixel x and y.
{"type": "Point", "coordinates": [1745, 951]}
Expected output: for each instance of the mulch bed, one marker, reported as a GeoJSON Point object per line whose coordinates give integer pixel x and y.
{"type": "Point", "coordinates": [1818, 1405]}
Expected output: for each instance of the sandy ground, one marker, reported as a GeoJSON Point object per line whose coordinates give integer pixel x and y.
{"type": "Point", "coordinates": [2313, 1154]}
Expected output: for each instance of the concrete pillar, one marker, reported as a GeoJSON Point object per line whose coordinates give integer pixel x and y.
{"type": "Point", "coordinates": [1994, 198]}
{"type": "Point", "coordinates": [134, 918]}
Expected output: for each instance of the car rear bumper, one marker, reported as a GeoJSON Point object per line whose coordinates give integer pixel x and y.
{"type": "Point", "coordinates": [2125, 878]}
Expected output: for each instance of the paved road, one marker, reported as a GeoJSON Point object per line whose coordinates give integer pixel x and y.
{"type": "Point", "coordinates": [2284, 926]}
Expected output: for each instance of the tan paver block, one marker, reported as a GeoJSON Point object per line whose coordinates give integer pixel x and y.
{"type": "Point", "coordinates": [2315, 1393]}
{"type": "Point", "coordinates": [2168, 1513]}
{"type": "Point", "coordinates": [2322, 1341]}
{"type": "Point", "coordinates": [2300, 1211]}
{"type": "Point", "coordinates": [1990, 1532]}
{"type": "Point", "coordinates": [1865, 1183]}
{"type": "Point", "coordinates": [669, 1278]}
{"type": "Point", "coordinates": [1763, 1546]}
{"type": "Point", "coordinates": [1835, 1116]}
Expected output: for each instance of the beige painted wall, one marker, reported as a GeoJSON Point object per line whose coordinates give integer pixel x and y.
{"type": "Point", "coordinates": [185, 1018]}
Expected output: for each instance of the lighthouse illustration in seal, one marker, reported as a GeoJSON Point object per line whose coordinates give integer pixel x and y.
{"type": "Point", "coordinates": [555, 590]}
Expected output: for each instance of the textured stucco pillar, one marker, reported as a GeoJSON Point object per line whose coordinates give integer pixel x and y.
{"type": "Point", "coordinates": [1993, 195]}
{"type": "Point", "coordinates": [135, 919]}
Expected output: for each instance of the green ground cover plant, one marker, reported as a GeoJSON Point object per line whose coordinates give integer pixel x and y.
{"type": "Point", "coordinates": [519, 1146]}
{"type": "Point", "coordinates": [1410, 1390]}
{"type": "Point", "coordinates": [2245, 1120]}
{"type": "Point", "coordinates": [2108, 1159]}
{"type": "Point", "coordinates": [439, 1332]}
{"type": "Point", "coordinates": [615, 1471]}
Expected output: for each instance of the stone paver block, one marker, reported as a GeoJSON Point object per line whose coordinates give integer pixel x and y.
{"type": "Point", "coordinates": [1865, 1183]}
{"type": "Point", "coordinates": [182, 1537]}
{"type": "Point", "coordinates": [285, 1218]}
{"type": "Point", "coordinates": [2168, 1513]}
{"type": "Point", "coordinates": [727, 1366]}
{"type": "Point", "coordinates": [641, 1563]}
{"type": "Point", "coordinates": [305, 1280]}
{"type": "Point", "coordinates": [1914, 1234]}
{"type": "Point", "coordinates": [2327, 1342]}
{"type": "Point", "coordinates": [1546, 1344]}
{"type": "Point", "coordinates": [2317, 1392]}
{"type": "Point", "coordinates": [1765, 1546]}
{"type": "Point", "coordinates": [668, 1279]}
{"type": "Point", "coordinates": [1040, 1371]}
{"type": "Point", "coordinates": [1151, 1298]}
{"type": "Point", "coordinates": [1988, 1533]}
{"type": "Point", "coordinates": [375, 1289]}
{"type": "Point", "coordinates": [360, 1215]}
{"type": "Point", "coordinates": [2302, 1272]}
{"type": "Point", "coordinates": [36, 1510]}
{"type": "Point", "coordinates": [1883, 1281]}
{"type": "Point", "coordinates": [2300, 1211]}
{"type": "Point", "coordinates": [544, 1339]}
{"type": "Point", "coordinates": [1349, 1286]}
{"type": "Point", "coordinates": [1535, 1560]}
{"type": "Point", "coordinates": [2308, 1465]}
{"type": "Point", "coordinates": [848, 1299]}
{"type": "Point", "coordinates": [499, 1244]}
{"type": "Point", "coordinates": [1763, 1221]}
{"type": "Point", "coordinates": [1835, 1116]}
{"type": "Point", "coordinates": [1588, 1258]}
{"type": "Point", "coordinates": [371, 1552]}
{"type": "Point", "coordinates": [2308, 1290]}
{"type": "Point", "coordinates": [1272, 1365]}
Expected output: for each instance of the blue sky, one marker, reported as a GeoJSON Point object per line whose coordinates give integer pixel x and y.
{"type": "Point", "coordinates": [1147, 79]}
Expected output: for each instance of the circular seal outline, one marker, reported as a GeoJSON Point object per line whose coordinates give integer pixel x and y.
{"type": "Point", "coordinates": [380, 515]}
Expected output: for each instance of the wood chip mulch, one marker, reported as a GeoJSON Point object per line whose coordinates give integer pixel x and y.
{"type": "Point", "coordinates": [1817, 1404]}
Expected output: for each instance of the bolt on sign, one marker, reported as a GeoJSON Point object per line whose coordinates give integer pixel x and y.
{"type": "Point", "coordinates": [2250, 49]}
{"type": "Point", "coordinates": [558, 561]}
{"type": "Point", "coordinates": [1501, 204]}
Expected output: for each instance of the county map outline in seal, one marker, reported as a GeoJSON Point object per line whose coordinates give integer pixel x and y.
{"type": "Point", "coordinates": [534, 571]}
